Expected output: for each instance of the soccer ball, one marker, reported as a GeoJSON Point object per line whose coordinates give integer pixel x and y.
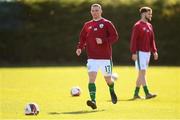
{"type": "Point", "coordinates": [75, 91]}
{"type": "Point", "coordinates": [31, 109]}
{"type": "Point", "coordinates": [114, 76]}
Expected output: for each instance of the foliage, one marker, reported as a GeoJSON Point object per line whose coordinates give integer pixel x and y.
{"type": "Point", "coordinates": [35, 32]}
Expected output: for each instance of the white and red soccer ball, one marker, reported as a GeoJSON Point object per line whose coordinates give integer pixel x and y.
{"type": "Point", "coordinates": [114, 76]}
{"type": "Point", "coordinates": [75, 91]}
{"type": "Point", "coordinates": [31, 109]}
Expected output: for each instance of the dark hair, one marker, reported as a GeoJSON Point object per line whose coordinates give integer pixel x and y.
{"type": "Point", "coordinates": [144, 9]}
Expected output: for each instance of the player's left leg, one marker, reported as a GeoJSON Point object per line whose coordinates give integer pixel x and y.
{"type": "Point", "coordinates": [106, 68]}
{"type": "Point", "coordinates": [145, 58]}
{"type": "Point", "coordinates": [145, 87]}
{"type": "Point", "coordinates": [110, 83]}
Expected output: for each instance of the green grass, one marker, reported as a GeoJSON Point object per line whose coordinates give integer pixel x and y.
{"type": "Point", "coordinates": [50, 88]}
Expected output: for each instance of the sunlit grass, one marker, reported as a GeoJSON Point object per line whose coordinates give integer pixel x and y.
{"type": "Point", "coordinates": [50, 88]}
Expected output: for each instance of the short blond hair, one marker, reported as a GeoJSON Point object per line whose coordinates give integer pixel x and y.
{"type": "Point", "coordinates": [96, 5]}
{"type": "Point", "coordinates": [144, 9]}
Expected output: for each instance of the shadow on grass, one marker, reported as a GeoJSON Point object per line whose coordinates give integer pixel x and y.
{"type": "Point", "coordinates": [130, 99]}
{"type": "Point", "coordinates": [76, 112]}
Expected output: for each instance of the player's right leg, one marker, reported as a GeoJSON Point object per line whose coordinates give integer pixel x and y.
{"type": "Point", "coordinates": [141, 64]}
{"type": "Point", "coordinates": [92, 73]}
{"type": "Point", "coordinates": [138, 85]}
{"type": "Point", "coordinates": [92, 90]}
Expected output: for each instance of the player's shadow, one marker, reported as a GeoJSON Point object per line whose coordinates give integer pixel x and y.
{"type": "Point", "coordinates": [54, 113]}
{"type": "Point", "coordinates": [131, 99]}
{"type": "Point", "coordinates": [76, 112]}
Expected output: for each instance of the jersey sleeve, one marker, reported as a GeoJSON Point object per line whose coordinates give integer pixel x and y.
{"type": "Point", "coordinates": [134, 38]}
{"type": "Point", "coordinates": [112, 33]}
{"type": "Point", "coordinates": [82, 38]}
{"type": "Point", "coordinates": [153, 44]}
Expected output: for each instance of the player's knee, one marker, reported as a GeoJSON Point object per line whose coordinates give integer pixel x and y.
{"type": "Point", "coordinates": [92, 79]}
{"type": "Point", "coordinates": [108, 80]}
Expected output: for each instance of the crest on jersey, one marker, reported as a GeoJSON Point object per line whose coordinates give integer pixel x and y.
{"type": "Point", "coordinates": [101, 25]}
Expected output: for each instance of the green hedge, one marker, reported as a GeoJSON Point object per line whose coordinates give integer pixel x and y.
{"type": "Point", "coordinates": [46, 33]}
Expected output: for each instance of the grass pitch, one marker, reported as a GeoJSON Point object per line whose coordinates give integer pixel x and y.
{"type": "Point", "coordinates": [49, 87]}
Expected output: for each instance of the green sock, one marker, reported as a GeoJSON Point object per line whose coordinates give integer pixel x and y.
{"type": "Point", "coordinates": [92, 91]}
{"type": "Point", "coordinates": [111, 87]}
{"type": "Point", "coordinates": [146, 90]}
{"type": "Point", "coordinates": [136, 92]}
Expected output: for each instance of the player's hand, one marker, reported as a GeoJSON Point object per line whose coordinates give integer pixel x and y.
{"type": "Point", "coordinates": [78, 52]}
{"type": "Point", "coordinates": [134, 57]}
{"type": "Point", "coordinates": [99, 41]}
{"type": "Point", "coordinates": [155, 56]}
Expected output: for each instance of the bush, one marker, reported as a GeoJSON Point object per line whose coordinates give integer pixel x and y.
{"type": "Point", "coordinates": [46, 33]}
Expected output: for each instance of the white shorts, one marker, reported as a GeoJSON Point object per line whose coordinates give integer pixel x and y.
{"type": "Point", "coordinates": [105, 65]}
{"type": "Point", "coordinates": [142, 61]}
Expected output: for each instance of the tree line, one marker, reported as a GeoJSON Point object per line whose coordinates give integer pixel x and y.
{"type": "Point", "coordinates": [46, 33]}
